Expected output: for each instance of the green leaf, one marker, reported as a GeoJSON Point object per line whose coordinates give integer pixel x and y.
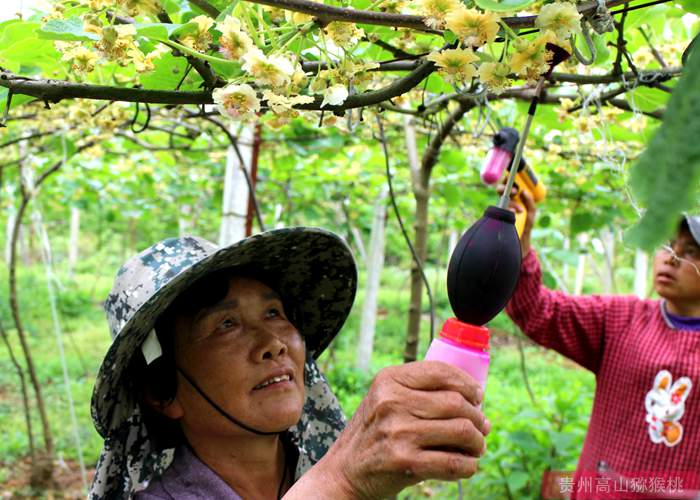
{"type": "Point", "coordinates": [565, 256]}
{"type": "Point", "coordinates": [549, 280]}
{"type": "Point", "coordinates": [172, 7]}
{"type": "Point", "coordinates": [647, 99]}
{"type": "Point", "coordinates": [16, 30]}
{"type": "Point", "coordinates": [227, 11]}
{"type": "Point", "coordinates": [67, 30]}
{"type": "Point", "coordinates": [517, 480]}
{"type": "Point", "coordinates": [581, 221]}
{"type": "Point", "coordinates": [156, 30]}
{"type": "Point", "coordinates": [30, 53]}
{"type": "Point", "coordinates": [666, 175]}
{"type": "Point", "coordinates": [503, 5]}
{"type": "Point", "coordinates": [167, 74]}
{"type": "Point", "coordinates": [601, 47]}
{"type": "Point", "coordinates": [691, 6]}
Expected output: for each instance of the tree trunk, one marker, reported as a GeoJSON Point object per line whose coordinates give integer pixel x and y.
{"type": "Point", "coordinates": [279, 210]}
{"type": "Point", "coordinates": [342, 216]}
{"type": "Point", "coordinates": [374, 264]}
{"type": "Point", "coordinates": [25, 246]}
{"type": "Point", "coordinates": [12, 213]}
{"type": "Point", "coordinates": [420, 228]}
{"type": "Point", "coordinates": [42, 466]}
{"type": "Point", "coordinates": [641, 272]}
{"type": "Point", "coordinates": [235, 200]}
{"type": "Point", "coordinates": [184, 220]}
{"type": "Point", "coordinates": [133, 236]}
{"type": "Point", "coordinates": [73, 240]}
{"type": "Point", "coordinates": [580, 273]}
{"type": "Point", "coordinates": [566, 270]}
{"type": "Point", "coordinates": [255, 154]}
{"type": "Point", "coordinates": [23, 389]}
{"type": "Point", "coordinates": [452, 243]}
{"type": "Point", "coordinates": [421, 192]}
{"type": "Point", "coordinates": [581, 267]}
{"type": "Point", "coordinates": [608, 238]}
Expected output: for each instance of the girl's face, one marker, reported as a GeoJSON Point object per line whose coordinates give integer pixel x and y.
{"type": "Point", "coordinates": [677, 269]}
{"type": "Point", "coordinates": [246, 355]}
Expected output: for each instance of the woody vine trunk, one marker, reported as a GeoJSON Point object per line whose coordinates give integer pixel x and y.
{"type": "Point", "coordinates": [421, 193]}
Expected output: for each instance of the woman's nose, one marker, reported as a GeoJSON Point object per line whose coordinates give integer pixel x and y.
{"type": "Point", "coordinates": [672, 259]}
{"type": "Point", "coordinates": [275, 349]}
{"type": "Point", "coordinates": [269, 346]}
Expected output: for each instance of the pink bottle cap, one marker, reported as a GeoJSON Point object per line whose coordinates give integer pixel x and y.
{"type": "Point", "coordinates": [465, 334]}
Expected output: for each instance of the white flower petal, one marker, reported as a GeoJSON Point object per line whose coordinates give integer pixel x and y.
{"type": "Point", "coordinates": [335, 95]}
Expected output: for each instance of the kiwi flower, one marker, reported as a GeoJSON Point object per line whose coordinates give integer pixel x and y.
{"type": "Point", "coordinates": [561, 18]}
{"type": "Point", "coordinates": [494, 75]}
{"type": "Point", "coordinates": [454, 65]}
{"type": "Point", "coordinates": [234, 42]}
{"type": "Point", "coordinates": [435, 11]}
{"type": "Point", "coordinates": [474, 28]}
{"type": "Point", "coordinates": [274, 71]}
{"type": "Point", "coordinates": [237, 101]}
{"type": "Point", "coordinates": [200, 39]}
{"type": "Point", "coordinates": [82, 59]}
{"type": "Point", "coordinates": [343, 34]}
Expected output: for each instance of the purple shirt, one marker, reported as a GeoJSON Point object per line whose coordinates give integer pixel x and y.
{"type": "Point", "coordinates": [187, 478]}
{"type": "Point", "coordinates": [681, 322]}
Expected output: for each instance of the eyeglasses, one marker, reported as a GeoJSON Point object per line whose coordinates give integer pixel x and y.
{"type": "Point", "coordinates": [690, 254]}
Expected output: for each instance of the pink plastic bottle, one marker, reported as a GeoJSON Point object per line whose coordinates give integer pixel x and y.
{"type": "Point", "coordinates": [464, 346]}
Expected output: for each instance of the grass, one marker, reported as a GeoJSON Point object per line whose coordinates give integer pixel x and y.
{"type": "Point", "coordinates": [528, 435]}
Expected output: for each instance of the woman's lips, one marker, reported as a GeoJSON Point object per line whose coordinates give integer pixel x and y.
{"type": "Point", "coordinates": [665, 278]}
{"type": "Point", "coordinates": [275, 381]}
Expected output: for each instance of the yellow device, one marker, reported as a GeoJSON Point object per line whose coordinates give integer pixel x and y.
{"type": "Point", "coordinates": [527, 179]}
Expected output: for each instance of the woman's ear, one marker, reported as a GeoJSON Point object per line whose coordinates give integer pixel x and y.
{"type": "Point", "coordinates": [171, 409]}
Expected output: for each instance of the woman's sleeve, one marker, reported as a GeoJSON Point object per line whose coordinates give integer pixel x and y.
{"type": "Point", "coordinates": [575, 326]}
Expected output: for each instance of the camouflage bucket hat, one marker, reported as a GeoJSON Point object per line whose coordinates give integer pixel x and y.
{"type": "Point", "coordinates": [312, 265]}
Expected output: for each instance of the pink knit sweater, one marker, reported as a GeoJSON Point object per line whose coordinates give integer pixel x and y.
{"type": "Point", "coordinates": [646, 412]}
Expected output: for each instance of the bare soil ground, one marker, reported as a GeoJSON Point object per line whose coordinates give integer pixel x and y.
{"type": "Point", "coordinates": [14, 481]}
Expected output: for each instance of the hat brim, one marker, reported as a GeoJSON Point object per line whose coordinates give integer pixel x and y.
{"type": "Point", "coordinates": [312, 265]}
{"type": "Point", "coordinates": [693, 226]}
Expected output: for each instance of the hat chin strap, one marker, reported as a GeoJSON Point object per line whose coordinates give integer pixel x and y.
{"type": "Point", "coordinates": [221, 411]}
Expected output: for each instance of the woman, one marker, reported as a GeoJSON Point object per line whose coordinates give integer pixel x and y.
{"type": "Point", "coordinates": [226, 378]}
{"type": "Point", "coordinates": [645, 355]}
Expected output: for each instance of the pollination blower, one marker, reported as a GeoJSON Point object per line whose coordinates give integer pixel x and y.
{"type": "Point", "coordinates": [485, 265]}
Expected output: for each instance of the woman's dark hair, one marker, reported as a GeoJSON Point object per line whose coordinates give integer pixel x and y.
{"type": "Point", "coordinates": [158, 380]}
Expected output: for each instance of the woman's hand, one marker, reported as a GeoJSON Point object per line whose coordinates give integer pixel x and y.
{"type": "Point", "coordinates": [419, 421]}
{"type": "Point", "coordinates": [526, 203]}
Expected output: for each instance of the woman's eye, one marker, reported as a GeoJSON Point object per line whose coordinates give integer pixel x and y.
{"type": "Point", "coordinates": [273, 313]}
{"type": "Point", "coordinates": [226, 324]}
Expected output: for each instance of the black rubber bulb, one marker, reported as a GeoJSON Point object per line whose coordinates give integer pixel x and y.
{"type": "Point", "coordinates": [484, 267]}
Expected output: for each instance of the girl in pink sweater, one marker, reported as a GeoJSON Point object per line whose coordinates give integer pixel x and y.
{"type": "Point", "coordinates": [644, 435]}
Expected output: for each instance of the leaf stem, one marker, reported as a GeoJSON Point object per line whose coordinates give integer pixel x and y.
{"type": "Point", "coordinates": [186, 50]}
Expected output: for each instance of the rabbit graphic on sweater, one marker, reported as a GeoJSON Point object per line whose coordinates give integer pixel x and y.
{"type": "Point", "coordinates": [665, 405]}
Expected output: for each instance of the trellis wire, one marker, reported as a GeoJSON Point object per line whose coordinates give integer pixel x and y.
{"type": "Point", "coordinates": [50, 282]}
{"type": "Point", "coordinates": [382, 139]}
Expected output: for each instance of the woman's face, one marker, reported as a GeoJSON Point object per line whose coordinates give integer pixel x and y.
{"type": "Point", "coordinates": [678, 279]}
{"type": "Point", "coordinates": [246, 355]}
